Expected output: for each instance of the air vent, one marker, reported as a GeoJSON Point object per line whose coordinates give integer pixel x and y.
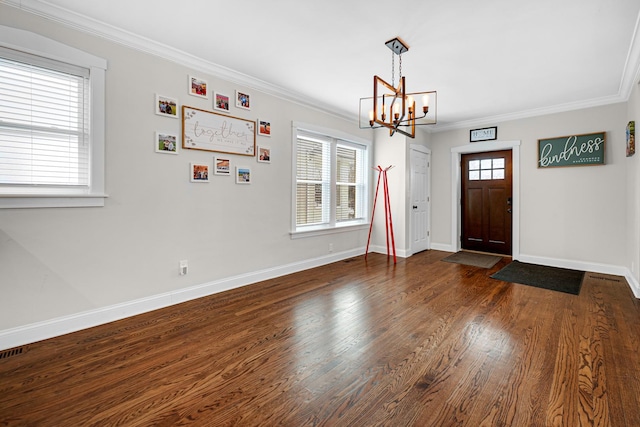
{"type": "Point", "coordinates": [11, 352]}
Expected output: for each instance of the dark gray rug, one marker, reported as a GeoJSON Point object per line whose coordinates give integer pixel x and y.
{"type": "Point", "coordinates": [540, 276]}
{"type": "Point", "coordinates": [473, 258]}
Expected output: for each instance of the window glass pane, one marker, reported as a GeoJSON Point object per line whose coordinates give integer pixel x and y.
{"type": "Point", "coordinates": [308, 204]}
{"type": "Point", "coordinates": [498, 174]}
{"type": "Point", "coordinates": [346, 165]}
{"type": "Point", "coordinates": [474, 164]}
{"type": "Point", "coordinates": [485, 174]}
{"type": "Point", "coordinates": [44, 126]}
{"type": "Point", "coordinates": [346, 202]}
{"type": "Point", "coordinates": [485, 164]}
{"type": "Point", "coordinates": [498, 163]}
{"type": "Point", "coordinates": [309, 161]}
{"type": "Point", "coordinates": [474, 175]}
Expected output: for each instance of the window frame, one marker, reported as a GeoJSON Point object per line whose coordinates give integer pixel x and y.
{"type": "Point", "coordinates": [338, 138]}
{"type": "Point", "coordinates": [37, 196]}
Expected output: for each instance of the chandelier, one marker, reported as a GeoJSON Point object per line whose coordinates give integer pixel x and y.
{"type": "Point", "coordinates": [393, 107]}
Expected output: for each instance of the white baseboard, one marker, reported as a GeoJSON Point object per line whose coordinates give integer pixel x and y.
{"type": "Point", "coordinates": [34, 332]}
{"type": "Point", "coordinates": [445, 247]}
{"type": "Point", "coordinates": [586, 266]}
{"type": "Point", "coordinates": [39, 331]}
{"type": "Point", "coordinates": [402, 253]}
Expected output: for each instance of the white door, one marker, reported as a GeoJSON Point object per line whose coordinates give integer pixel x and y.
{"type": "Point", "coordinates": [420, 199]}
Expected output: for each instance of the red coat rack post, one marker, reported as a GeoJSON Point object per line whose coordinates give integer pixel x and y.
{"type": "Point", "coordinates": [388, 221]}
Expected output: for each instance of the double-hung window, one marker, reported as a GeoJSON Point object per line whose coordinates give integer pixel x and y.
{"type": "Point", "coordinates": [51, 123]}
{"type": "Point", "coordinates": [331, 184]}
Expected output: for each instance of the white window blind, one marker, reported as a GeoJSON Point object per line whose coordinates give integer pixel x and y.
{"type": "Point", "coordinates": [313, 182]}
{"type": "Point", "coordinates": [44, 121]}
{"type": "Point", "coordinates": [331, 182]}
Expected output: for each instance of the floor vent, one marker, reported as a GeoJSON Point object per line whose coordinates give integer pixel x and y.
{"type": "Point", "coordinates": [11, 352]}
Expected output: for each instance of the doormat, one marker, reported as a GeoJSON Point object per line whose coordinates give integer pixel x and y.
{"type": "Point", "coordinates": [474, 259]}
{"type": "Point", "coordinates": [540, 276]}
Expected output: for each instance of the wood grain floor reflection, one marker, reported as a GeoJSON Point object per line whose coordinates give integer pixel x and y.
{"type": "Point", "coordinates": [354, 343]}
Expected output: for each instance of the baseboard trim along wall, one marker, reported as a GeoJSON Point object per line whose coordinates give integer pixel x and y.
{"type": "Point", "coordinates": [63, 325]}
{"type": "Point", "coordinates": [39, 331]}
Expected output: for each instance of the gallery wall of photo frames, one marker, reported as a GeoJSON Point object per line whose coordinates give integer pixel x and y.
{"type": "Point", "coordinates": [214, 131]}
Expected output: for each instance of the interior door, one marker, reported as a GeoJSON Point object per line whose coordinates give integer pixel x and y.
{"type": "Point", "coordinates": [486, 201]}
{"type": "Point", "coordinates": [420, 239]}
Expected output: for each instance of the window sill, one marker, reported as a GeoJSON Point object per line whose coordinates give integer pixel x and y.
{"type": "Point", "coordinates": [323, 230]}
{"type": "Point", "coordinates": [18, 201]}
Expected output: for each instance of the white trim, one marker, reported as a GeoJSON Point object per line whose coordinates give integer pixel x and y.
{"type": "Point", "coordinates": [443, 247]}
{"type": "Point", "coordinates": [27, 334]}
{"type": "Point", "coordinates": [40, 197]}
{"type": "Point", "coordinates": [400, 253]}
{"type": "Point", "coordinates": [456, 183]}
{"type": "Point", "coordinates": [585, 266]}
{"type": "Point", "coordinates": [34, 332]}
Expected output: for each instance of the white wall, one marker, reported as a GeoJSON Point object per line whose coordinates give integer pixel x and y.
{"type": "Point", "coordinates": [633, 192]}
{"type": "Point", "coordinates": [577, 214]}
{"type": "Point", "coordinates": [60, 262]}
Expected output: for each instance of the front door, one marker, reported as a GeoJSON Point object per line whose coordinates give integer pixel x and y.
{"type": "Point", "coordinates": [486, 202]}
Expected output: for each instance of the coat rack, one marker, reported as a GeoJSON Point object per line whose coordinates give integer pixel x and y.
{"type": "Point", "coordinates": [388, 222]}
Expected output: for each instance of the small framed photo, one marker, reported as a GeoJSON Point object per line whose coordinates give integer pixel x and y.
{"type": "Point", "coordinates": [198, 87]}
{"type": "Point", "coordinates": [221, 102]}
{"type": "Point", "coordinates": [243, 100]}
{"type": "Point", "coordinates": [264, 154]}
{"type": "Point", "coordinates": [166, 106]}
{"type": "Point", "coordinates": [199, 172]}
{"type": "Point", "coordinates": [243, 175]}
{"type": "Point", "coordinates": [631, 138]}
{"type": "Point", "coordinates": [166, 143]}
{"type": "Point", "coordinates": [222, 166]}
{"type": "Point", "coordinates": [264, 127]}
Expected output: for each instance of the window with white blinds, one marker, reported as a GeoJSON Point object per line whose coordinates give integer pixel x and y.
{"type": "Point", "coordinates": [44, 121]}
{"type": "Point", "coordinates": [52, 123]}
{"type": "Point", "coordinates": [331, 181]}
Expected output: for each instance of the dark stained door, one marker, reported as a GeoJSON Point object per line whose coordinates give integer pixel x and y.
{"type": "Point", "coordinates": [486, 202]}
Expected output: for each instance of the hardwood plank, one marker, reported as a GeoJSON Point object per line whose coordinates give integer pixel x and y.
{"type": "Point", "coordinates": [357, 342]}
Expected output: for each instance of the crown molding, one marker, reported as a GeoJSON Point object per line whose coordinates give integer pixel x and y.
{"type": "Point", "coordinates": [96, 28]}
{"type": "Point", "coordinates": [631, 71]}
{"type": "Point", "coordinates": [554, 109]}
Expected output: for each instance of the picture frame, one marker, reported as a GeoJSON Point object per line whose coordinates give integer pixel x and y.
{"type": "Point", "coordinates": [222, 166]}
{"type": "Point", "coordinates": [587, 149]}
{"type": "Point", "coordinates": [484, 134]}
{"type": "Point", "coordinates": [211, 131]}
{"type": "Point", "coordinates": [166, 142]}
{"type": "Point", "coordinates": [264, 127]}
{"type": "Point", "coordinates": [631, 138]}
{"type": "Point", "coordinates": [243, 175]}
{"type": "Point", "coordinates": [199, 172]}
{"type": "Point", "coordinates": [243, 100]}
{"type": "Point", "coordinates": [264, 154]}
{"type": "Point", "coordinates": [221, 102]}
{"type": "Point", "coordinates": [166, 106]}
{"type": "Point", "coordinates": [198, 87]}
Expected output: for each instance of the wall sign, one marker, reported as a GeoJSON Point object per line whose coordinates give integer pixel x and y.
{"type": "Point", "coordinates": [572, 150]}
{"type": "Point", "coordinates": [485, 134]}
{"type": "Point", "coordinates": [209, 131]}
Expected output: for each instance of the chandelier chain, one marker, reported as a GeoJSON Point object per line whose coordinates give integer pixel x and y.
{"type": "Point", "coordinates": [393, 69]}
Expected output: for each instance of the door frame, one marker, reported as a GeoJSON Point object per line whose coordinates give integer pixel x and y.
{"type": "Point", "coordinates": [456, 189]}
{"type": "Point", "coordinates": [427, 151]}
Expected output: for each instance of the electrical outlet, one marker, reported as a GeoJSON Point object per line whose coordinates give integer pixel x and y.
{"type": "Point", "coordinates": [184, 267]}
{"type": "Point", "coordinates": [330, 247]}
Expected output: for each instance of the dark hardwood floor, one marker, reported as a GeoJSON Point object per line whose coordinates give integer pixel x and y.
{"type": "Point", "coordinates": [355, 343]}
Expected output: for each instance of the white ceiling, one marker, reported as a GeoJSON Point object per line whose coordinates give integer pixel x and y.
{"type": "Point", "coordinates": [488, 60]}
